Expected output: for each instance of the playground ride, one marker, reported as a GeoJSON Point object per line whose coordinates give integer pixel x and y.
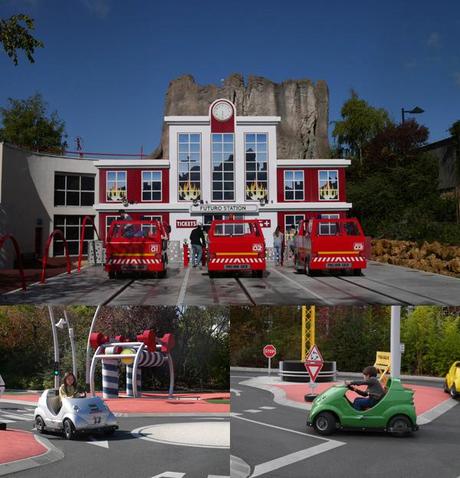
{"type": "Point", "coordinates": [393, 413]}
{"type": "Point", "coordinates": [136, 246]}
{"type": "Point", "coordinates": [330, 245]}
{"type": "Point", "coordinates": [452, 381]}
{"type": "Point", "coordinates": [73, 416]}
{"type": "Point", "coordinates": [236, 246]}
{"type": "Point", "coordinates": [146, 351]}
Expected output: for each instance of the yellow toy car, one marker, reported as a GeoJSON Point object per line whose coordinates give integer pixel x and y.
{"type": "Point", "coordinates": [452, 382]}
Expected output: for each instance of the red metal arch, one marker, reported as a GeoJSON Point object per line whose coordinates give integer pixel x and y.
{"type": "Point", "coordinates": [82, 237]}
{"type": "Point", "coordinates": [18, 255]}
{"type": "Point", "coordinates": [47, 248]}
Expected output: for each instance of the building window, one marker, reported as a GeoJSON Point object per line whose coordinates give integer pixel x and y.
{"type": "Point", "coordinates": [291, 223]}
{"type": "Point", "coordinates": [293, 186]}
{"type": "Point", "coordinates": [151, 185]}
{"type": "Point", "coordinates": [73, 190]}
{"type": "Point", "coordinates": [256, 166]}
{"type": "Point", "coordinates": [189, 166]}
{"type": "Point", "coordinates": [328, 185]}
{"type": "Point", "coordinates": [71, 228]}
{"type": "Point", "coordinates": [116, 187]}
{"type": "Point", "coordinates": [223, 167]}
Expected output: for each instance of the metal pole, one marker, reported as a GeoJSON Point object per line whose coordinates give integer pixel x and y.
{"type": "Point", "coordinates": [402, 115]}
{"type": "Point", "coordinates": [55, 345]}
{"type": "Point", "coordinates": [269, 366]}
{"type": "Point", "coordinates": [72, 344]}
{"type": "Point", "coordinates": [303, 352]}
{"type": "Point", "coordinates": [88, 348]}
{"type": "Point", "coordinates": [312, 325]}
{"type": "Point", "coordinates": [395, 342]}
{"type": "Point", "coordinates": [171, 375]}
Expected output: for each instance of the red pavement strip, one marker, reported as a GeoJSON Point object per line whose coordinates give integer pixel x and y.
{"type": "Point", "coordinates": [18, 445]}
{"type": "Point", "coordinates": [425, 398]}
{"type": "Point", "coordinates": [153, 403]}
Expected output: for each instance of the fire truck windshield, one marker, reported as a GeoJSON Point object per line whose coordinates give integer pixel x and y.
{"type": "Point", "coordinates": [233, 229]}
{"type": "Point", "coordinates": [133, 230]}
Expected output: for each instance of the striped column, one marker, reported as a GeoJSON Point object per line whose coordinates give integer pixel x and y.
{"type": "Point", "coordinates": [110, 378]}
{"type": "Point", "coordinates": [152, 359]}
{"type": "Point", "coordinates": [129, 380]}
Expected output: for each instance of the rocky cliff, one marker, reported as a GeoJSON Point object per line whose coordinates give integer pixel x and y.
{"type": "Point", "coordinates": [302, 105]}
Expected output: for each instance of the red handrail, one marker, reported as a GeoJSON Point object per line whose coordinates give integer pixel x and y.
{"type": "Point", "coordinates": [45, 255]}
{"type": "Point", "coordinates": [18, 256]}
{"type": "Point", "coordinates": [82, 238]}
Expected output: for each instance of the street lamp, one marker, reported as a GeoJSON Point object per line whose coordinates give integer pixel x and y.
{"type": "Point", "coordinates": [60, 325]}
{"type": "Point", "coordinates": [416, 111]}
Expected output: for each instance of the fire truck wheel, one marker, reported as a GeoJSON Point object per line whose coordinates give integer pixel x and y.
{"type": "Point", "coordinates": [308, 271]}
{"type": "Point", "coordinates": [212, 274]}
{"type": "Point", "coordinates": [259, 274]}
{"type": "Point", "coordinates": [357, 272]}
{"type": "Point", "coordinates": [112, 275]}
{"type": "Point", "coordinates": [162, 274]}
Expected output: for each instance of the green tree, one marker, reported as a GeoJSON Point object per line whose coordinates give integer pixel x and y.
{"type": "Point", "coordinates": [360, 123]}
{"type": "Point", "coordinates": [454, 131]}
{"type": "Point", "coordinates": [15, 35]}
{"type": "Point", "coordinates": [26, 124]}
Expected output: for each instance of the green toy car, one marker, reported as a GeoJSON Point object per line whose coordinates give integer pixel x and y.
{"type": "Point", "coordinates": [394, 413]}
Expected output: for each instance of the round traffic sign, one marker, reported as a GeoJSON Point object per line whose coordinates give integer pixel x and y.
{"type": "Point", "coordinates": [269, 351]}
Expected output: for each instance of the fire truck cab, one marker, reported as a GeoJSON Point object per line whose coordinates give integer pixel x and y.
{"type": "Point", "coordinates": [136, 246]}
{"type": "Point", "coordinates": [236, 246]}
{"type": "Point", "coordinates": [330, 244]}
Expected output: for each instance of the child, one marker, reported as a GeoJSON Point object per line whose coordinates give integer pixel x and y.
{"type": "Point", "coordinates": [374, 390]}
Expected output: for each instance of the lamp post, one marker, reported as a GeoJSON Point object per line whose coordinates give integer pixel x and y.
{"type": "Point", "coordinates": [415, 111]}
{"type": "Point", "coordinates": [60, 325]}
{"type": "Point", "coordinates": [56, 348]}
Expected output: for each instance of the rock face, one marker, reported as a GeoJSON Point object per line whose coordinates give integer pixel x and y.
{"type": "Point", "coordinates": [302, 105]}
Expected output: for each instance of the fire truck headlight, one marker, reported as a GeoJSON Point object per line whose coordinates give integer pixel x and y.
{"type": "Point", "coordinates": [358, 246]}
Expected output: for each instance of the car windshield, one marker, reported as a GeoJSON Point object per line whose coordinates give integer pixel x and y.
{"type": "Point", "coordinates": [233, 229]}
{"type": "Point", "coordinates": [132, 230]}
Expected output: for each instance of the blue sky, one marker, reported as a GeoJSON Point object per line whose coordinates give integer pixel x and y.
{"type": "Point", "coordinates": [106, 64]}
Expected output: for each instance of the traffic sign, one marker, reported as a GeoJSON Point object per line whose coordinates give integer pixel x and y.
{"type": "Point", "coordinates": [269, 351]}
{"type": "Point", "coordinates": [313, 368]}
{"type": "Point", "coordinates": [314, 354]}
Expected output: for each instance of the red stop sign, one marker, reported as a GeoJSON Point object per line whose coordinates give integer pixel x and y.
{"type": "Point", "coordinates": [269, 351]}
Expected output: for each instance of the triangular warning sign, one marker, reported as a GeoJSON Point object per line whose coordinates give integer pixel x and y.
{"type": "Point", "coordinates": [314, 354]}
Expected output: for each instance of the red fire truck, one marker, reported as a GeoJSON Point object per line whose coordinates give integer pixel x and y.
{"type": "Point", "coordinates": [236, 246]}
{"type": "Point", "coordinates": [136, 246]}
{"type": "Point", "coordinates": [330, 244]}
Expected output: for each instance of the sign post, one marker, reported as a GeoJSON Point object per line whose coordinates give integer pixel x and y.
{"type": "Point", "coordinates": [313, 364]}
{"type": "Point", "coordinates": [269, 352]}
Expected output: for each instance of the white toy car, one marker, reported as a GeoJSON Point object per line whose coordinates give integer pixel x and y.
{"type": "Point", "coordinates": [2, 386]}
{"type": "Point", "coordinates": [73, 415]}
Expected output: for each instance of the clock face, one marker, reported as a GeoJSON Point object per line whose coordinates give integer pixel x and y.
{"type": "Point", "coordinates": [222, 111]}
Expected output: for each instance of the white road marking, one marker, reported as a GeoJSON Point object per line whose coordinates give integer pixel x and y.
{"type": "Point", "coordinates": [198, 434]}
{"type": "Point", "coordinates": [251, 410]}
{"type": "Point", "coordinates": [268, 408]}
{"type": "Point", "coordinates": [101, 443]}
{"type": "Point", "coordinates": [218, 476]}
{"type": "Point", "coordinates": [239, 468]}
{"type": "Point", "coordinates": [183, 289]}
{"type": "Point", "coordinates": [235, 391]}
{"type": "Point", "coordinates": [169, 474]}
{"type": "Point", "coordinates": [4, 420]}
{"type": "Point", "coordinates": [292, 458]}
{"type": "Point", "coordinates": [436, 411]}
{"type": "Point", "coordinates": [299, 285]}
{"type": "Point", "coordinates": [286, 429]}
{"type": "Point", "coordinates": [16, 417]}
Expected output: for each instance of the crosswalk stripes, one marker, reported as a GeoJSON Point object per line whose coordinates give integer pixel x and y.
{"type": "Point", "coordinates": [12, 415]}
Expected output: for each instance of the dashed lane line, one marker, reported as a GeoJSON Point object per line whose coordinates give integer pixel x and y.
{"type": "Point", "coordinates": [183, 289]}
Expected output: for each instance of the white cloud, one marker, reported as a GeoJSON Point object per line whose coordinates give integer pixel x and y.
{"type": "Point", "coordinates": [100, 8]}
{"type": "Point", "coordinates": [433, 39]}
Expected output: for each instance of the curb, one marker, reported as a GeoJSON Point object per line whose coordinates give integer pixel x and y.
{"type": "Point", "coordinates": [422, 378]}
{"type": "Point", "coordinates": [51, 455]}
{"type": "Point", "coordinates": [172, 414]}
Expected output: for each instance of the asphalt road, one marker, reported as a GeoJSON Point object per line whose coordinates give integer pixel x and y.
{"type": "Point", "coordinates": [272, 441]}
{"type": "Point", "coordinates": [127, 454]}
{"type": "Point", "coordinates": [381, 284]}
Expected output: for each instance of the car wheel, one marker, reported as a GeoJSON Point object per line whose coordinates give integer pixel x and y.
{"type": "Point", "coordinates": [453, 392]}
{"type": "Point", "coordinates": [400, 426]}
{"type": "Point", "coordinates": [109, 431]}
{"type": "Point", "coordinates": [446, 387]}
{"type": "Point", "coordinates": [69, 429]}
{"type": "Point", "coordinates": [325, 423]}
{"type": "Point", "coordinates": [39, 424]}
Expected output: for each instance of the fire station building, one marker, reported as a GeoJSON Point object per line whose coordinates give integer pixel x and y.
{"type": "Point", "coordinates": [219, 165]}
